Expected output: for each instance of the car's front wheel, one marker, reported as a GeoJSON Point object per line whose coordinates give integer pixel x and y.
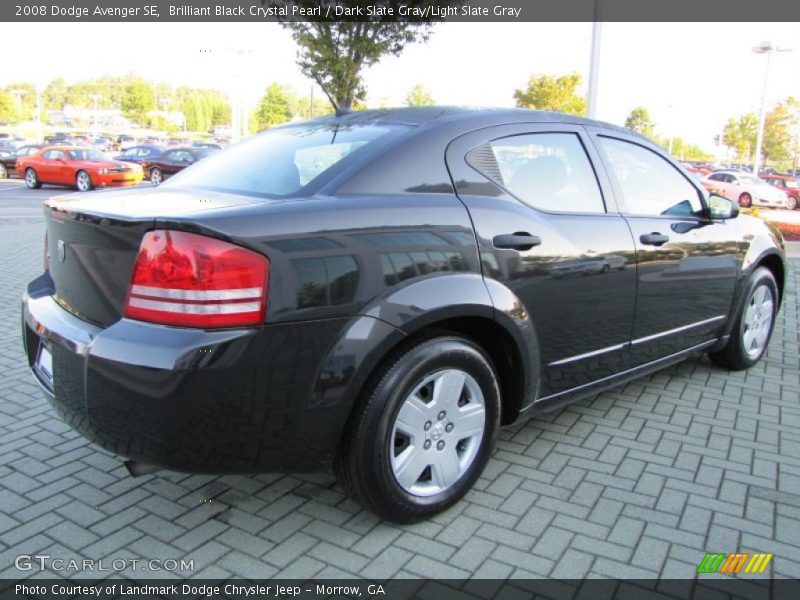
{"type": "Point", "coordinates": [32, 179]}
{"type": "Point", "coordinates": [156, 176]}
{"type": "Point", "coordinates": [83, 181]}
{"type": "Point", "coordinates": [423, 430]}
{"type": "Point", "coordinates": [791, 203]}
{"type": "Point", "coordinates": [754, 323]}
{"type": "Point", "coordinates": [3, 171]}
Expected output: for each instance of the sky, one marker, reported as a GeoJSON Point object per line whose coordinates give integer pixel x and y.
{"type": "Point", "coordinates": [690, 76]}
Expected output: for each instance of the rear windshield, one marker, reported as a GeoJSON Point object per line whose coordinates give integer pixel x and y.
{"type": "Point", "coordinates": [282, 161]}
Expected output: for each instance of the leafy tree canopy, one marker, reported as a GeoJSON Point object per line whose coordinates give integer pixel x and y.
{"type": "Point", "coordinates": [335, 53]}
{"type": "Point", "coordinates": [547, 92]}
{"type": "Point", "coordinates": [639, 121]}
{"type": "Point", "coordinates": [419, 96]}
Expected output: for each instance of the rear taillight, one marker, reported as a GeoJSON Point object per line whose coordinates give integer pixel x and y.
{"type": "Point", "coordinates": [192, 280]}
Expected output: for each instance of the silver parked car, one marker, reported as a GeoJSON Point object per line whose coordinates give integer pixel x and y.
{"type": "Point", "coordinates": [745, 188]}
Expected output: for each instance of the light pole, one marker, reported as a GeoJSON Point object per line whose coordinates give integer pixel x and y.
{"type": "Point", "coordinates": [95, 98]}
{"type": "Point", "coordinates": [594, 62]}
{"type": "Point", "coordinates": [764, 48]}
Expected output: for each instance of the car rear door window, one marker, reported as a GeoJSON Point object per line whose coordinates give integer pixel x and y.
{"type": "Point", "coordinates": [548, 171]}
{"type": "Point", "coordinates": [650, 185]}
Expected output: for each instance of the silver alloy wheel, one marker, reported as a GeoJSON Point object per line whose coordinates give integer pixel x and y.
{"type": "Point", "coordinates": [30, 178]}
{"type": "Point", "coordinates": [437, 432]}
{"type": "Point", "coordinates": [3, 172]}
{"type": "Point", "coordinates": [757, 321]}
{"type": "Point", "coordinates": [84, 182]}
{"type": "Point", "coordinates": [155, 176]}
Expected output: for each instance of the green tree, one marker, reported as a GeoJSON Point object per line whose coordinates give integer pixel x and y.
{"type": "Point", "coordinates": [334, 53]}
{"type": "Point", "coordinates": [54, 95]}
{"type": "Point", "coordinates": [740, 134]}
{"type": "Point", "coordinates": [275, 107]}
{"type": "Point", "coordinates": [639, 121]}
{"type": "Point", "coordinates": [8, 108]}
{"type": "Point", "coordinates": [301, 107]}
{"type": "Point", "coordinates": [546, 92]}
{"type": "Point", "coordinates": [138, 100]}
{"type": "Point", "coordinates": [684, 150]}
{"type": "Point", "coordinates": [24, 95]}
{"type": "Point", "coordinates": [779, 128]}
{"type": "Point", "coordinates": [419, 96]}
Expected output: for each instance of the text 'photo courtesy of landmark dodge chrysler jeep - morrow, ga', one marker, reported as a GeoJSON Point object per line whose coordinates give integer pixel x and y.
{"type": "Point", "coordinates": [381, 291]}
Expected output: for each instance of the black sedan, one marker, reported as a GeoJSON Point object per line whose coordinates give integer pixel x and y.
{"type": "Point", "coordinates": [8, 163]}
{"type": "Point", "coordinates": [383, 291]}
{"type": "Point", "coordinates": [175, 160]}
{"type": "Point", "coordinates": [142, 155]}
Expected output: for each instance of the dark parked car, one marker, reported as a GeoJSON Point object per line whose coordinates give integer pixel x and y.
{"type": "Point", "coordinates": [8, 163]}
{"type": "Point", "coordinates": [174, 160]}
{"type": "Point", "coordinates": [125, 141]}
{"type": "Point", "coordinates": [142, 155]}
{"type": "Point", "coordinates": [384, 290]}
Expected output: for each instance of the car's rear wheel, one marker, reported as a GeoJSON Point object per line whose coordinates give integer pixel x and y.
{"type": "Point", "coordinates": [754, 323]}
{"type": "Point", "coordinates": [3, 171]}
{"type": "Point", "coordinates": [791, 203]}
{"type": "Point", "coordinates": [424, 429]}
{"type": "Point", "coordinates": [83, 181]}
{"type": "Point", "coordinates": [156, 176]}
{"type": "Point", "coordinates": [32, 179]}
{"type": "Point", "coordinates": [745, 200]}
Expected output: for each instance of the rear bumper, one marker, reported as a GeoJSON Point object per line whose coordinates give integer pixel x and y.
{"type": "Point", "coordinates": [241, 400]}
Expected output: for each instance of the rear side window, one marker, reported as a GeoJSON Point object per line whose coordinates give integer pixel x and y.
{"type": "Point", "coordinates": [650, 185]}
{"type": "Point", "coordinates": [284, 160]}
{"type": "Point", "coordinates": [549, 171]}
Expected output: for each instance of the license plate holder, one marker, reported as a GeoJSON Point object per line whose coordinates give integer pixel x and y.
{"type": "Point", "coordinates": [44, 365]}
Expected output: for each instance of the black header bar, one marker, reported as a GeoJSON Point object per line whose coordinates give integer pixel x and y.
{"type": "Point", "coordinates": [488, 11]}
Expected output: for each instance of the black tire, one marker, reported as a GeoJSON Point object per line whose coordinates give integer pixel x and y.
{"type": "Point", "coordinates": [734, 355]}
{"type": "Point", "coordinates": [364, 461]}
{"type": "Point", "coordinates": [3, 171]}
{"type": "Point", "coordinates": [32, 179]}
{"type": "Point", "coordinates": [156, 176]}
{"type": "Point", "coordinates": [745, 200]}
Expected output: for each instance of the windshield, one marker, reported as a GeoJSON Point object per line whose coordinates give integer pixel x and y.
{"type": "Point", "coordinates": [791, 184]}
{"type": "Point", "coordinates": [751, 180]}
{"type": "Point", "coordinates": [86, 154]}
{"type": "Point", "coordinates": [282, 161]}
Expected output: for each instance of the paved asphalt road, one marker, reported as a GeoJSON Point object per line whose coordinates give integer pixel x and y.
{"type": "Point", "coordinates": [638, 482]}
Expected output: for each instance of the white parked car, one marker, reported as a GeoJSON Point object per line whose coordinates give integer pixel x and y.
{"type": "Point", "coordinates": [745, 188]}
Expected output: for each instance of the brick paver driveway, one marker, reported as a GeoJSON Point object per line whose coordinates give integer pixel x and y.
{"type": "Point", "coordinates": [639, 482]}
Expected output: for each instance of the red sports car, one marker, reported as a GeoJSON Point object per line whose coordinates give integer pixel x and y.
{"type": "Point", "coordinates": [83, 168]}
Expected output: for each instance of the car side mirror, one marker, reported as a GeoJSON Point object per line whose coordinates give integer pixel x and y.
{"type": "Point", "coordinates": [722, 208]}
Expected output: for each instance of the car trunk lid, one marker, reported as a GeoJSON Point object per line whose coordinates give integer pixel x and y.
{"type": "Point", "coordinates": [93, 241]}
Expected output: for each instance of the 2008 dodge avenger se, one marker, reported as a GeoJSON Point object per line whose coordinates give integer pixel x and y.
{"type": "Point", "coordinates": [382, 291]}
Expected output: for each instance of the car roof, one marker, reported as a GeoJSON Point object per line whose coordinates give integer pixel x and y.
{"type": "Point", "coordinates": [71, 147]}
{"type": "Point", "coordinates": [430, 116]}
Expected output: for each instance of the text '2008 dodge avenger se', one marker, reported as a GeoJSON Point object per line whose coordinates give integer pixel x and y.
{"type": "Point", "coordinates": [381, 291]}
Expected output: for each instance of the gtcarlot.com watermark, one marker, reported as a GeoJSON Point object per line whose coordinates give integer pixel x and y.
{"type": "Point", "coordinates": [45, 562]}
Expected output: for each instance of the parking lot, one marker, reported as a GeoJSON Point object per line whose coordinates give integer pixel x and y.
{"type": "Point", "coordinates": [639, 482]}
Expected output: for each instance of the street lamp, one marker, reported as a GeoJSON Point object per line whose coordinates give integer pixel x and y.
{"type": "Point", "coordinates": [764, 48]}
{"type": "Point", "coordinates": [594, 61]}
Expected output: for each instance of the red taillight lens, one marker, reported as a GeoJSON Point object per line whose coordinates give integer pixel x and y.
{"type": "Point", "coordinates": [192, 280]}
